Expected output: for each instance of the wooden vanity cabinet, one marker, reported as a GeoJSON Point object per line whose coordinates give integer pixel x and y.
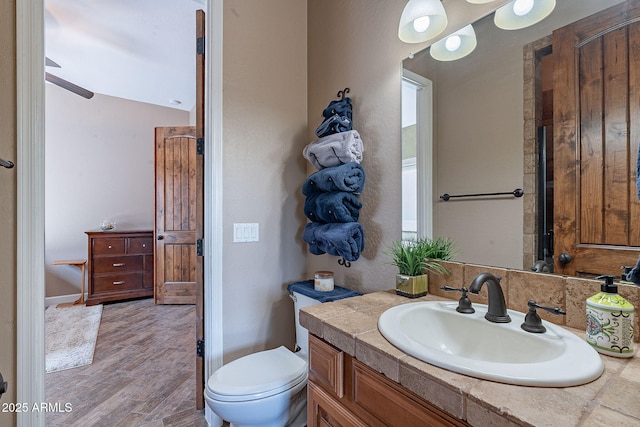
{"type": "Point", "coordinates": [120, 265]}
{"type": "Point", "coordinates": [343, 391]}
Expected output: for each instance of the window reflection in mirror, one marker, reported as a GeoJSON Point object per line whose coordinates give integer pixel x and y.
{"type": "Point", "coordinates": [417, 212]}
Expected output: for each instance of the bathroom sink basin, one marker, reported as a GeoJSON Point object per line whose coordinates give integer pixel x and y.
{"type": "Point", "coordinates": [433, 331]}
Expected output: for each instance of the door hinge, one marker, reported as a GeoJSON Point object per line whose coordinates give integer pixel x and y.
{"type": "Point", "coordinates": [200, 348]}
{"type": "Point", "coordinates": [200, 45]}
{"type": "Point", "coordinates": [199, 248]}
{"type": "Point", "coordinates": [200, 146]}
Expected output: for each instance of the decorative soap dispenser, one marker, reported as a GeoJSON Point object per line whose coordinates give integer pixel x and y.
{"type": "Point", "coordinates": [610, 321]}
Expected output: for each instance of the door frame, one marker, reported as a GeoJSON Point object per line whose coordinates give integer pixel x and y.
{"type": "Point", "coordinates": [30, 124]}
{"type": "Point", "coordinates": [424, 151]}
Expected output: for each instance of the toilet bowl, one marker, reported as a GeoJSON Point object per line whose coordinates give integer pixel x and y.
{"type": "Point", "coordinates": [268, 388]}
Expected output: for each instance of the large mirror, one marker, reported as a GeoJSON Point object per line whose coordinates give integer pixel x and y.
{"type": "Point", "coordinates": [481, 120]}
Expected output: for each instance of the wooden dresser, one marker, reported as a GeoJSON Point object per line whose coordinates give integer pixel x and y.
{"type": "Point", "coordinates": [120, 265]}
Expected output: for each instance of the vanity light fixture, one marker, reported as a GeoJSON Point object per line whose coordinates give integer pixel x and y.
{"type": "Point", "coordinates": [422, 20]}
{"type": "Point", "coordinates": [520, 14]}
{"type": "Point", "coordinates": [456, 46]}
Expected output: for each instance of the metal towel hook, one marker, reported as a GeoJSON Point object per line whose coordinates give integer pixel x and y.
{"type": "Point", "coordinates": [344, 262]}
{"type": "Point", "coordinates": [343, 93]}
{"type": "Point", "coordinates": [6, 163]}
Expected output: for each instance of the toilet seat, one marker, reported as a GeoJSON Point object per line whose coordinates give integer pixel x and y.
{"type": "Point", "coordinates": [257, 376]}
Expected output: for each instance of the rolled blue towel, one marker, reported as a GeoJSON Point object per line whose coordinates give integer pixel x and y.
{"type": "Point", "coordinates": [332, 207]}
{"type": "Point", "coordinates": [348, 177]}
{"type": "Point", "coordinates": [342, 107]}
{"type": "Point", "coordinates": [338, 118]}
{"type": "Point", "coordinates": [334, 150]}
{"type": "Point", "coordinates": [337, 239]}
{"type": "Point", "coordinates": [334, 124]}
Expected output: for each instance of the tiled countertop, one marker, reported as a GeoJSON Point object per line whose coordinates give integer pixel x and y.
{"type": "Point", "coordinates": [351, 325]}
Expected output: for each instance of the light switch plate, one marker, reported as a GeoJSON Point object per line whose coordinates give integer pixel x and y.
{"type": "Point", "coordinates": [246, 232]}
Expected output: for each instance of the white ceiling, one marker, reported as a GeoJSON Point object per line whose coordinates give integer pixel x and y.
{"type": "Point", "coordinates": [142, 50]}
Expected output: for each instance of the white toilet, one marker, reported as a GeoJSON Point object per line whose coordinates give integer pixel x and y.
{"type": "Point", "coordinates": [265, 389]}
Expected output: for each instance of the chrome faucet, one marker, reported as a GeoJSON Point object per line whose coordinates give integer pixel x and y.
{"type": "Point", "coordinates": [497, 311]}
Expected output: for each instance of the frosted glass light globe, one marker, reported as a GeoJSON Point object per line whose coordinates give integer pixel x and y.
{"type": "Point", "coordinates": [453, 43]}
{"type": "Point", "coordinates": [522, 7]}
{"type": "Point", "coordinates": [421, 24]}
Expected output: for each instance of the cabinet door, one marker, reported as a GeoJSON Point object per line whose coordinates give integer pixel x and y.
{"type": "Point", "coordinates": [324, 411]}
{"type": "Point", "coordinates": [326, 365]}
{"type": "Point", "coordinates": [394, 405]}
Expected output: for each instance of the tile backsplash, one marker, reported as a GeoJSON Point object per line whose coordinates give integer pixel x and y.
{"type": "Point", "coordinates": [567, 292]}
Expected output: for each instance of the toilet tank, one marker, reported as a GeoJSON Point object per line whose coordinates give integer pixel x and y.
{"type": "Point", "coordinates": [303, 295]}
{"type": "Point", "coordinates": [302, 335]}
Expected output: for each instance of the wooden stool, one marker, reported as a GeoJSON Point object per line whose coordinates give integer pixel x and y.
{"type": "Point", "coordinates": [78, 263]}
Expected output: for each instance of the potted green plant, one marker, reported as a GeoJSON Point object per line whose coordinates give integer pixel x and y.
{"type": "Point", "coordinates": [414, 259]}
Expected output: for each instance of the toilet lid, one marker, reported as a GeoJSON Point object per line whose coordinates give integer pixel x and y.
{"type": "Point", "coordinates": [257, 375]}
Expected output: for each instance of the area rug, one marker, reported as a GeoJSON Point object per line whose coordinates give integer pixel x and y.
{"type": "Point", "coordinates": [70, 336]}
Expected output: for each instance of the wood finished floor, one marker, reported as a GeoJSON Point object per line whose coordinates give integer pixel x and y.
{"type": "Point", "coordinates": [143, 371]}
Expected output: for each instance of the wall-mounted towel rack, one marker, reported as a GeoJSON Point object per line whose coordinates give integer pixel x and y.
{"type": "Point", "coordinates": [515, 193]}
{"type": "Point", "coordinates": [6, 163]}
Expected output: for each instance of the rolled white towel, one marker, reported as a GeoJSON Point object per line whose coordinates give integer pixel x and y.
{"type": "Point", "coordinates": [335, 149]}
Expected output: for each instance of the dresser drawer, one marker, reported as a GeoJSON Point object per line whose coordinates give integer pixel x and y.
{"type": "Point", "coordinates": [110, 246]}
{"type": "Point", "coordinates": [140, 245]}
{"type": "Point", "coordinates": [115, 264]}
{"type": "Point", "coordinates": [117, 282]}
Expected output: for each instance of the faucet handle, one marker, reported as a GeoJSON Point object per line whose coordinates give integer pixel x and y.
{"type": "Point", "coordinates": [533, 322]}
{"type": "Point", "coordinates": [464, 304]}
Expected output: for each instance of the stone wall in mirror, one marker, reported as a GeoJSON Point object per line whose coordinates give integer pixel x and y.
{"type": "Point", "coordinates": [479, 144]}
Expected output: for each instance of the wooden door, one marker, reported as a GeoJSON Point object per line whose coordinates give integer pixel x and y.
{"type": "Point", "coordinates": [175, 223]}
{"type": "Point", "coordinates": [200, 378]}
{"type": "Point", "coordinates": [596, 133]}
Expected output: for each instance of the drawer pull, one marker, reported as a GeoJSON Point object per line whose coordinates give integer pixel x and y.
{"type": "Point", "coordinates": [110, 247]}
{"type": "Point", "coordinates": [119, 264]}
{"type": "Point", "coordinates": [119, 283]}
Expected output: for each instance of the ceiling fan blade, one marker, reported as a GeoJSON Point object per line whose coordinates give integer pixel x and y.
{"type": "Point", "coordinates": [51, 63]}
{"type": "Point", "coordinates": [68, 85]}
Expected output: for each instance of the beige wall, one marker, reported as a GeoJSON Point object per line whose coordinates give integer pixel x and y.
{"type": "Point", "coordinates": [8, 203]}
{"type": "Point", "coordinates": [355, 44]}
{"type": "Point", "coordinates": [478, 135]}
{"type": "Point", "coordinates": [99, 164]}
{"type": "Point", "coordinates": [265, 124]}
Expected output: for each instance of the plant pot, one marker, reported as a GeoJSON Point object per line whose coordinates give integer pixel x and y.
{"type": "Point", "coordinates": [412, 286]}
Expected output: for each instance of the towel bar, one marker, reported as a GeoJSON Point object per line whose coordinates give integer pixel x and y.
{"type": "Point", "coordinates": [6, 163]}
{"type": "Point", "coordinates": [516, 193]}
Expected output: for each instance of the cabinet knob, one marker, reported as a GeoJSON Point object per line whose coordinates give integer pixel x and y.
{"type": "Point", "coordinates": [160, 237]}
